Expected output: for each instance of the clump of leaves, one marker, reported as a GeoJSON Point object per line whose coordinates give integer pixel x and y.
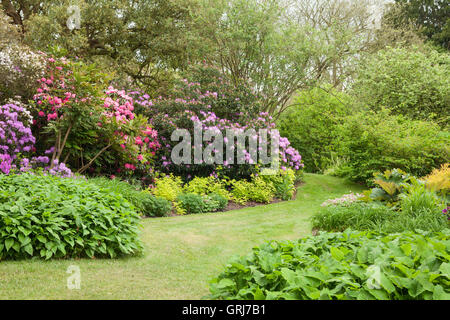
{"type": "Point", "coordinates": [342, 266]}
{"type": "Point", "coordinates": [52, 217]}
{"type": "Point", "coordinates": [439, 181]}
{"type": "Point", "coordinates": [390, 184]}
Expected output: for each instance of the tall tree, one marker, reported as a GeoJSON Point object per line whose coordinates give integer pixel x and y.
{"type": "Point", "coordinates": [431, 17]}
{"type": "Point", "coordinates": [142, 39]}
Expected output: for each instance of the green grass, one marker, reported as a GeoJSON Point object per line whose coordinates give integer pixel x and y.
{"type": "Point", "coordinates": [182, 253]}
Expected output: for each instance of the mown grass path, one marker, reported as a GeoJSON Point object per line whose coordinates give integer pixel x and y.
{"type": "Point", "coordinates": [182, 253]}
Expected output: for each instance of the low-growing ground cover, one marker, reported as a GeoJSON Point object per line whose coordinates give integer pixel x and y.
{"type": "Point", "coordinates": [181, 253]}
{"type": "Point", "coordinates": [342, 266]}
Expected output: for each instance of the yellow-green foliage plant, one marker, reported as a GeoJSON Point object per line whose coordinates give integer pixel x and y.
{"type": "Point", "coordinates": [439, 179]}
{"type": "Point", "coordinates": [169, 187]}
{"type": "Point", "coordinates": [207, 185]}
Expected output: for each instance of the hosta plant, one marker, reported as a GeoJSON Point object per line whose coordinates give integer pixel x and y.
{"type": "Point", "coordinates": [51, 217]}
{"type": "Point", "coordinates": [342, 266]}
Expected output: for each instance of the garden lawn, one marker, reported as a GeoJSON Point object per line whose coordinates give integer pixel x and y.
{"type": "Point", "coordinates": [181, 253]}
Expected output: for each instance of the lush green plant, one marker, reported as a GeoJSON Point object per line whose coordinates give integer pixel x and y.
{"type": "Point", "coordinates": [191, 203]}
{"type": "Point", "coordinates": [144, 201]}
{"type": "Point", "coordinates": [418, 198]}
{"type": "Point", "coordinates": [52, 217]}
{"type": "Point", "coordinates": [311, 125]}
{"type": "Point", "coordinates": [167, 187]}
{"type": "Point", "coordinates": [207, 185]}
{"type": "Point", "coordinates": [439, 181]}
{"type": "Point", "coordinates": [155, 206]}
{"type": "Point", "coordinates": [283, 182]}
{"type": "Point", "coordinates": [374, 142]}
{"type": "Point", "coordinates": [258, 190]}
{"type": "Point", "coordinates": [195, 203]}
{"type": "Point", "coordinates": [215, 202]}
{"type": "Point", "coordinates": [240, 191]}
{"type": "Point", "coordinates": [261, 191]}
{"type": "Point", "coordinates": [408, 81]}
{"type": "Point", "coordinates": [357, 216]}
{"type": "Point", "coordinates": [390, 184]}
{"type": "Point", "coordinates": [338, 266]}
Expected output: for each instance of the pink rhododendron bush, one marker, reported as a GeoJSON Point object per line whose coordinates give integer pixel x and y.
{"type": "Point", "coordinates": [213, 102]}
{"type": "Point", "coordinates": [90, 126]}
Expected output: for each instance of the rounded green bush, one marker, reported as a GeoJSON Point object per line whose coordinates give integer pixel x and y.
{"type": "Point", "coordinates": [342, 266]}
{"type": "Point", "coordinates": [155, 206]}
{"type": "Point", "coordinates": [219, 201]}
{"type": "Point", "coordinates": [52, 217]}
{"type": "Point", "coordinates": [191, 202]}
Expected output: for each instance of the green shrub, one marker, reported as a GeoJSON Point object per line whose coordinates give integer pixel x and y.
{"type": "Point", "coordinates": [195, 203]}
{"type": "Point", "coordinates": [191, 203]}
{"type": "Point", "coordinates": [338, 266]}
{"type": "Point", "coordinates": [215, 202]}
{"type": "Point", "coordinates": [155, 206]}
{"type": "Point", "coordinates": [261, 191]}
{"type": "Point", "coordinates": [240, 190]}
{"type": "Point", "coordinates": [147, 204]}
{"type": "Point", "coordinates": [258, 190]}
{"type": "Point", "coordinates": [283, 182]}
{"type": "Point", "coordinates": [167, 187]}
{"type": "Point", "coordinates": [375, 142]}
{"type": "Point", "coordinates": [408, 81]}
{"type": "Point", "coordinates": [52, 217]}
{"type": "Point", "coordinates": [207, 185]}
{"type": "Point", "coordinates": [357, 216]}
{"type": "Point", "coordinates": [417, 198]}
{"type": "Point", "coordinates": [311, 125]}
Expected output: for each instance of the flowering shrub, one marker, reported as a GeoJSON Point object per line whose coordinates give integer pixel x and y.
{"type": "Point", "coordinates": [217, 104]}
{"type": "Point", "coordinates": [206, 89]}
{"type": "Point", "coordinates": [16, 138]}
{"type": "Point", "coordinates": [91, 126]}
{"type": "Point", "coordinates": [18, 141]}
{"type": "Point", "coordinates": [346, 199]}
{"type": "Point", "coordinates": [166, 125]}
{"type": "Point", "coordinates": [20, 67]}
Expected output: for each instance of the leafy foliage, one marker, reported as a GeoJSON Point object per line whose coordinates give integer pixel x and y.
{"type": "Point", "coordinates": [195, 203]}
{"type": "Point", "coordinates": [374, 142]}
{"type": "Point", "coordinates": [144, 201]}
{"type": "Point", "coordinates": [338, 266]}
{"type": "Point", "coordinates": [408, 82]}
{"type": "Point", "coordinates": [439, 180]}
{"type": "Point", "coordinates": [283, 182]}
{"type": "Point", "coordinates": [375, 216]}
{"type": "Point", "coordinates": [390, 184]}
{"type": "Point", "coordinates": [311, 125]}
{"type": "Point", "coordinates": [207, 185]}
{"type": "Point", "coordinates": [430, 17]}
{"type": "Point", "coordinates": [52, 217]}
